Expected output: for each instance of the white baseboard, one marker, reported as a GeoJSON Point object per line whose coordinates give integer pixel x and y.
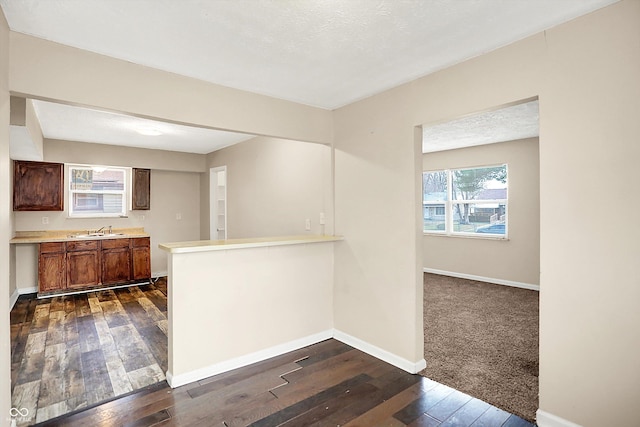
{"type": "Point", "coordinates": [156, 274]}
{"type": "Point", "coordinates": [13, 298]}
{"type": "Point", "coordinates": [247, 359]}
{"type": "Point", "coordinates": [377, 352]}
{"type": "Point", "coordinates": [238, 362]}
{"type": "Point", "coordinates": [522, 285]}
{"type": "Point", "coordinates": [20, 291]}
{"type": "Point", "coordinates": [545, 419]}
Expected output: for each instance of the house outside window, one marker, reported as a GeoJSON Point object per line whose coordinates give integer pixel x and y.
{"type": "Point", "coordinates": [97, 191]}
{"type": "Point", "coordinates": [470, 201]}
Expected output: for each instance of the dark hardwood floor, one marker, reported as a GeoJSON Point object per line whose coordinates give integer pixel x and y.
{"type": "Point", "coordinates": [99, 359]}
{"type": "Point", "coordinates": [70, 352]}
{"type": "Point", "coordinates": [326, 384]}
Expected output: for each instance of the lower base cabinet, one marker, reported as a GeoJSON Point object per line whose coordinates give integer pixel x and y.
{"type": "Point", "coordinates": [52, 267]}
{"type": "Point", "coordinates": [89, 264]}
{"type": "Point", "coordinates": [116, 261]}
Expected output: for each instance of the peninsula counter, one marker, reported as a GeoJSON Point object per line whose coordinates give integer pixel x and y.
{"type": "Point", "coordinates": [238, 301]}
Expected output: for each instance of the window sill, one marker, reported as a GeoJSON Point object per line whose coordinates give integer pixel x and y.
{"type": "Point", "coordinates": [467, 236]}
{"type": "Point", "coordinates": [96, 216]}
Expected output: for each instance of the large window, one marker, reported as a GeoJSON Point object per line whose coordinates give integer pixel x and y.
{"type": "Point", "coordinates": [469, 201]}
{"type": "Point", "coordinates": [97, 191]}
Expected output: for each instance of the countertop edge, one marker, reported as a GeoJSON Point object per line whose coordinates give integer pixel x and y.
{"type": "Point", "coordinates": [222, 245]}
{"type": "Point", "coordinates": [63, 236]}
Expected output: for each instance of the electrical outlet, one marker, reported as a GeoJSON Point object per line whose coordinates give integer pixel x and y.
{"type": "Point", "coordinates": [322, 220]}
{"type": "Point", "coordinates": [178, 216]}
{"type": "Point", "coordinates": [141, 217]}
{"type": "Point", "coordinates": [45, 220]}
{"type": "Point", "coordinates": [307, 224]}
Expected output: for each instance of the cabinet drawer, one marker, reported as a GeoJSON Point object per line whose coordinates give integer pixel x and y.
{"type": "Point", "coordinates": [84, 245]}
{"type": "Point", "coordinates": [50, 247]}
{"type": "Point", "coordinates": [140, 242]}
{"type": "Point", "coordinates": [115, 243]}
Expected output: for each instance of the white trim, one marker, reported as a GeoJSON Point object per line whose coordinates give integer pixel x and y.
{"type": "Point", "coordinates": [545, 419]}
{"type": "Point", "coordinates": [377, 352]}
{"type": "Point", "coordinates": [20, 291]}
{"type": "Point", "coordinates": [247, 359]}
{"type": "Point", "coordinates": [522, 285]}
{"type": "Point", "coordinates": [84, 291]}
{"type": "Point", "coordinates": [158, 274]}
{"type": "Point", "coordinates": [13, 298]}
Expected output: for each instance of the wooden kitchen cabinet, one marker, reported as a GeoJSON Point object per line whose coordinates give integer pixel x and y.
{"type": "Point", "coordinates": [38, 186]}
{"type": "Point", "coordinates": [116, 261]}
{"type": "Point", "coordinates": [90, 264]}
{"type": "Point", "coordinates": [52, 267]}
{"type": "Point", "coordinates": [141, 197]}
{"type": "Point", "coordinates": [141, 258]}
{"type": "Point", "coordinates": [83, 264]}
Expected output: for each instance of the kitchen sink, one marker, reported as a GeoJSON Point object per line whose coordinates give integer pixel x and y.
{"type": "Point", "coordinates": [94, 235]}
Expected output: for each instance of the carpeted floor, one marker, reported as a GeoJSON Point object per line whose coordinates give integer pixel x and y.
{"type": "Point", "coordinates": [482, 339]}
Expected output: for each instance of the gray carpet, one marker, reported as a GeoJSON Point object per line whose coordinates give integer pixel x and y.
{"type": "Point", "coordinates": [482, 339]}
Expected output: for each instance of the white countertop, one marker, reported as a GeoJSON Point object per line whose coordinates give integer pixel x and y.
{"type": "Point", "coordinates": [257, 242]}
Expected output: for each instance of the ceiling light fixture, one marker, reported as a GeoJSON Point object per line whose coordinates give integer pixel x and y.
{"type": "Point", "coordinates": [149, 131]}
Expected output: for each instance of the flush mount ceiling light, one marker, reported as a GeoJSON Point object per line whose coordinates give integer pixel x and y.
{"type": "Point", "coordinates": [149, 131]}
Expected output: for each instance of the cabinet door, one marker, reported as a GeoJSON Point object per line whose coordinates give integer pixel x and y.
{"type": "Point", "coordinates": [141, 255]}
{"type": "Point", "coordinates": [83, 269]}
{"type": "Point", "coordinates": [141, 198]}
{"type": "Point", "coordinates": [38, 186]}
{"type": "Point", "coordinates": [116, 265]}
{"type": "Point", "coordinates": [52, 272]}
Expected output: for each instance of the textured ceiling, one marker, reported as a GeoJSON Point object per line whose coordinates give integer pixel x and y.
{"type": "Point", "coordinates": [504, 124]}
{"type": "Point", "coordinates": [325, 53]}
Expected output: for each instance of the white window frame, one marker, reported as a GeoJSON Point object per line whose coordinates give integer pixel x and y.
{"type": "Point", "coordinates": [124, 193]}
{"type": "Point", "coordinates": [449, 207]}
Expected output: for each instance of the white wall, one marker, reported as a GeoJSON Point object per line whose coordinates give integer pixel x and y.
{"type": "Point", "coordinates": [5, 226]}
{"type": "Point", "coordinates": [515, 260]}
{"type": "Point", "coordinates": [274, 185]}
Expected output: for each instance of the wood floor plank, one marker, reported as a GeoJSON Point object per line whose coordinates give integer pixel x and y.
{"type": "Point", "coordinates": [96, 376]}
{"type": "Point", "coordinates": [87, 334]}
{"type": "Point", "coordinates": [466, 415]}
{"type": "Point", "coordinates": [311, 402]}
{"type": "Point", "coordinates": [384, 391]}
{"type": "Point", "coordinates": [392, 405]}
{"type": "Point", "coordinates": [133, 351]}
{"type": "Point", "coordinates": [324, 374]}
{"type": "Point", "coordinates": [157, 342]}
{"type": "Point", "coordinates": [415, 409]}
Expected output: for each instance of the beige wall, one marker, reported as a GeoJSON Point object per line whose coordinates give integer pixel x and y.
{"type": "Point", "coordinates": [586, 74]}
{"type": "Point", "coordinates": [172, 192]}
{"type": "Point", "coordinates": [589, 316]}
{"type": "Point", "coordinates": [42, 69]}
{"type": "Point", "coordinates": [265, 295]}
{"type": "Point", "coordinates": [113, 155]}
{"type": "Point", "coordinates": [516, 259]}
{"type": "Point", "coordinates": [273, 186]}
{"type": "Point", "coordinates": [5, 226]}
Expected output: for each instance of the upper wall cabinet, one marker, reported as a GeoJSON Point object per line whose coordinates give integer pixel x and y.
{"type": "Point", "coordinates": [141, 198]}
{"type": "Point", "coordinates": [38, 186]}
